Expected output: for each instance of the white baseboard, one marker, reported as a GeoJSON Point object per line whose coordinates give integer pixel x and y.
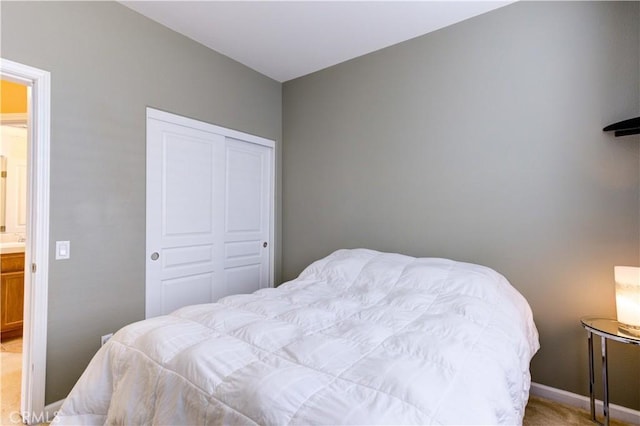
{"type": "Point", "coordinates": [617, 412]}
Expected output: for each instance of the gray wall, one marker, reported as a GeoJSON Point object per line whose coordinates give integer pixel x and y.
{"type": "Point", "coordinates": [482, 142]}
{"type": "Point", "coordinates": [107, 65]}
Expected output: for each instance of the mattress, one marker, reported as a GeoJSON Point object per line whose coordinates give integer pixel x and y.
{"type": "Point", "coordinates": [360, 337]}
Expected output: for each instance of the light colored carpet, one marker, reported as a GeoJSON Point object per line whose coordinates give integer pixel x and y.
{"type": "Point", "coordinates": [542, 412]}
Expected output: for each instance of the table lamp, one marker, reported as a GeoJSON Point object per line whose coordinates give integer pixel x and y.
{"type": "Point", "coordinates": [628, 298]}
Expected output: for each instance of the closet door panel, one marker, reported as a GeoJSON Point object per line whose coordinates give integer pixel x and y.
{"type": "Point", "coordinates": [247, 216]}
{"type": "Point", "coordinates": [184, 216]}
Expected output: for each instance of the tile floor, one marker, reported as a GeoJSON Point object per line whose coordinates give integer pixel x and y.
{"type": "Point", "coordinates": [10, 371]}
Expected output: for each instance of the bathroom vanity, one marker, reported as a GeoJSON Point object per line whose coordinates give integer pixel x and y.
{"type": "Point", "coordinates": [12, 283]}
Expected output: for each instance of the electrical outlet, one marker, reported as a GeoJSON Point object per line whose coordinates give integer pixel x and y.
{"type": "Point", "coordinates": [104, 339]}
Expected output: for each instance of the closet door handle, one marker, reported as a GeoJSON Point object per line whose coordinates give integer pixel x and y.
{"type": "Point", "coordinates": [155, 255]}
{"type": "Point", "coordinates": [265, 244]}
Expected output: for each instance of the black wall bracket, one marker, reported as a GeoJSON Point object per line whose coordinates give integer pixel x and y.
{"type": "Point", "coordinates": [625, 128]}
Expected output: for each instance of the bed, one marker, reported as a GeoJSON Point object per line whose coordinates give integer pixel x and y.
{"type": "Point", "coordinates": [360, 337]}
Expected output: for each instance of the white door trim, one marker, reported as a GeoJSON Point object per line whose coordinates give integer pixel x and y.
{"type": "Point", "coordinates": [37, 249]}
{"type": "Point", "coordinates": [207, 127]}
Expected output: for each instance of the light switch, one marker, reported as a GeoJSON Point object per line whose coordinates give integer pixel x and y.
{"type": "Point", "coordinates": [63, 250]}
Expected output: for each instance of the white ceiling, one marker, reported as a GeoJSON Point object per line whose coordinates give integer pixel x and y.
{"type": "Point", "coordinates": [289, 39]}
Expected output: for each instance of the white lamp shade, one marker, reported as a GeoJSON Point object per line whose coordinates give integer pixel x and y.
{"type": "Point", "coordinates": [628, 297]}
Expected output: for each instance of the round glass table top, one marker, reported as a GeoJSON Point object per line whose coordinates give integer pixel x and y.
{"type": "Point", "coordinates": [610, 329]}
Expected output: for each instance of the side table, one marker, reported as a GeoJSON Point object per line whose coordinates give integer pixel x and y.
{"type": "Point", "coordinates": [607, 329]}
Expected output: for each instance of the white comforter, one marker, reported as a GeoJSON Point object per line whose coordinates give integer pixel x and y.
{"type": "Point", "coordinates": [360, 337]}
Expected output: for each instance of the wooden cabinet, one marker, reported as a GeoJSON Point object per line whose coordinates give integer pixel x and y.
{"type": "Point", "coordinates": [12, 283]}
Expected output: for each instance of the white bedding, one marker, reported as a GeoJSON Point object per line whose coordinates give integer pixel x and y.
{"type": "Point", "coordinates": [360, 337]}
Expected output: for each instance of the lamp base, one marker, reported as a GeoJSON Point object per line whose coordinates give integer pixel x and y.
{"type": "Point", "coordinates": [630, 329]}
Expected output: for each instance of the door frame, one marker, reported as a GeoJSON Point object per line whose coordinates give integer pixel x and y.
{"type": "Point", "coordinates": [36, 289]}
{"type": "Point", "coordinates": [156, 114]}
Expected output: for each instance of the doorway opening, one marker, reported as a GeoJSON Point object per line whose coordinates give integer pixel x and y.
{"type": "Point", "coordinates": [13, 223]}
{"type": "Point", "coordinates": [24, 239]}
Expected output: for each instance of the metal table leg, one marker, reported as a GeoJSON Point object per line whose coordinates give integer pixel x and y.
{"type": "Point", "coordinates": [591, 376]}
{"type": "Point", "coordinates": [605, 381]}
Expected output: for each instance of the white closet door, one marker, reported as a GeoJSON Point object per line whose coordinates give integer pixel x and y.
{"type": "Point", "coordinates": [209, 212]}
{"type": "Point", "coordinates": [184, 216]}
{"type": "Point", "coordinates": [247, 216]}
